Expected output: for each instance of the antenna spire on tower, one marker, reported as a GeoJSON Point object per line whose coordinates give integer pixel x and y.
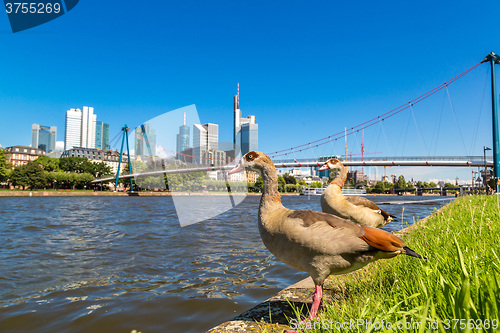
{"type": "Point", "coordinates": [238, 89]}
{"type": "Point", "coordinates": [184, 118]}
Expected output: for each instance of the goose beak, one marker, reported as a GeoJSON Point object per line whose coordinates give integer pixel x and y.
{"type": "Point", "coordinates": [237, 168]}
{"type": "Point", "coordinates": [324, 167]}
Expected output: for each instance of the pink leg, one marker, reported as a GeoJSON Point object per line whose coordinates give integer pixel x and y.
{"type": "Point", "coordinates": [318, 294]}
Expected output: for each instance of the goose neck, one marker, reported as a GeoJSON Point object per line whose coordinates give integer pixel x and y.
{"type": "Point", "coordinates": [270, 191]}
{"type": "Point", "coordinates": [340, 177]}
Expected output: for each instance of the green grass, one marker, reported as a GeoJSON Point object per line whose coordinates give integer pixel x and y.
{"type": "Point", "coordinates": [460, 280]}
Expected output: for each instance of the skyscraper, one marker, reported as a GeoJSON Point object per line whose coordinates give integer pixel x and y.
{"type": "Point", "coordinates": [205, 137]}
{"type": "Point", "coordinates": [102, 135]}
{"type": "Point", "coordinates": [145, 140]}
{"type": "Point", "coordinates": [43, 137]}
{"type": "Point", "coordinates": [80, 128]}
{"type": "Point", "coordinates": [88, 127]}
{"type": "Point", "coordinates": [73, 127]}
{"type": "Point", "coordinates": [182, 139]}
{"type": "Point", "coordinates": [237, 119]}
{"type": "Point", "coordinates": [249, 137]}
{"type": "Point", "coordinates": [246, 130]}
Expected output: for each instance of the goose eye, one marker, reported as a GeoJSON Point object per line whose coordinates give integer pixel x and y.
{"type": "Point", "coordinates": [251, 156]}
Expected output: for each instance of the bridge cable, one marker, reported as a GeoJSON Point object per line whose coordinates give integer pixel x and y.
{"type": "Point", "coordinates": [333, 147]}
{"type": "Point", "coordinates": [406, 135]}
{"type": "Point", "coordinates": [356, 139]}
{"type": "Point", "coordinates": [476, 130]}
{"type": "Point", "coordinates": [384, 116]}
{"type": "Point", "coordinates": [418, 131]}
{"type": "Point", "coordinates": [378, 139]}
{"type": "Point", "coordinates": [438, 125]}
{"type": "Point", "coordinates": [456, 121]}
{"type": "Point", "coordinates": [387, 142]}
{"type": "Point", "coordinates": [113, 142]}
{"type": "Point", "coordinates": [399, 140]}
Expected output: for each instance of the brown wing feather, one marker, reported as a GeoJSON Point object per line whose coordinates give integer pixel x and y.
{"type": "Point", "coordinates": [360, 201]}
{"type": "Point", "coordinates": [382, 240]}
{"type": "Point", "coordinates": [309, 217]}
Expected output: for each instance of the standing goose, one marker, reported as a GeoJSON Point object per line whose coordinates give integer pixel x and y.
{"type": "Point", "coordinates": [356, 209]}
{"type": "Point", "coordinates": [317, 243]}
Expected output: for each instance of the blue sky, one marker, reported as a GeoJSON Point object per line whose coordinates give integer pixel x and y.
{"type": "Point", "coordinates": [306, 70]}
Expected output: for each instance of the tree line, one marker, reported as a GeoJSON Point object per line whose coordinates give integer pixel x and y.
{"type": "Point", "coordinates": [57, 173]}
{"type": "Point", "coordinates": [78, 172]}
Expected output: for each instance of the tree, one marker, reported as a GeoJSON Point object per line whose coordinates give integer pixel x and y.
{"type": "Point", "coordinates": [379, 188]}
{"type": "Point", "coordinates": [81, 180]}
{"type": "Point", "coordinates": [138, 166]}
{"type": "Point", "coordinates": [259, 183]}
{"type": "Point", "coordinates": [150, 182]}
{"type": "Point", "coordinates": [401, 183]}
{"type": "Point", "coordinates": [289, 179]}
{"type": "Point", "coordinates": [19, 177]}
{"type": "Point", "coordinates": [47, 163]}
{"type": "Point", "coordinates": [83, 165]}
{"type": "Point", "coordinates": [189, 181]}
{"type": "Point", "coordinates": [332, 176]}
{"type": "Point", "coordinates": [73, 164]}
{"type": "Point", "coordinates": [30, 175]}
{"type": "Point", "coordinates": [281, 183]}
{"type": "Point", "coordinates": [97, 169]}
{"type": "Point", "coordinates": [4, 169]}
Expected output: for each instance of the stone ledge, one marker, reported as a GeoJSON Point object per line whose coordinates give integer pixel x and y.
{"type": "Point", "coordinates": [272, 314]}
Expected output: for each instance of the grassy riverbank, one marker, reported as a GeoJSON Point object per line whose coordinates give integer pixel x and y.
{"type": "Point", "coordinates": [460, 280]}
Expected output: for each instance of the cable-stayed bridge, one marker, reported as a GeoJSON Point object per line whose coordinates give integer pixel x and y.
{"type": "Point", "coordinates": [440, 161]}
{"type": "Point", "coordinates": [295, 156]}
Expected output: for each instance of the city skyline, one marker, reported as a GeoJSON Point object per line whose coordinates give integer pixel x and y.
{"type": "Point", "coordinates": [306, 71]}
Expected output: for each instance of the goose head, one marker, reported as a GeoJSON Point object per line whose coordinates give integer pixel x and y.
{"type": "Point", "coordinates": [253, 161]}
{"type": "Point", "coordinates": [331, 164]}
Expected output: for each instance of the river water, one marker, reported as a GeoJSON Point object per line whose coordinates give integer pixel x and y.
{"type": "Point", "coordinates": [115, 264]}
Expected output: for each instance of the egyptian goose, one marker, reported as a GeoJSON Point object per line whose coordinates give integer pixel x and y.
{"type": "Point", "coordinates": [356, 209]}
{"type": "Point", "coordinates": [317, 243]}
